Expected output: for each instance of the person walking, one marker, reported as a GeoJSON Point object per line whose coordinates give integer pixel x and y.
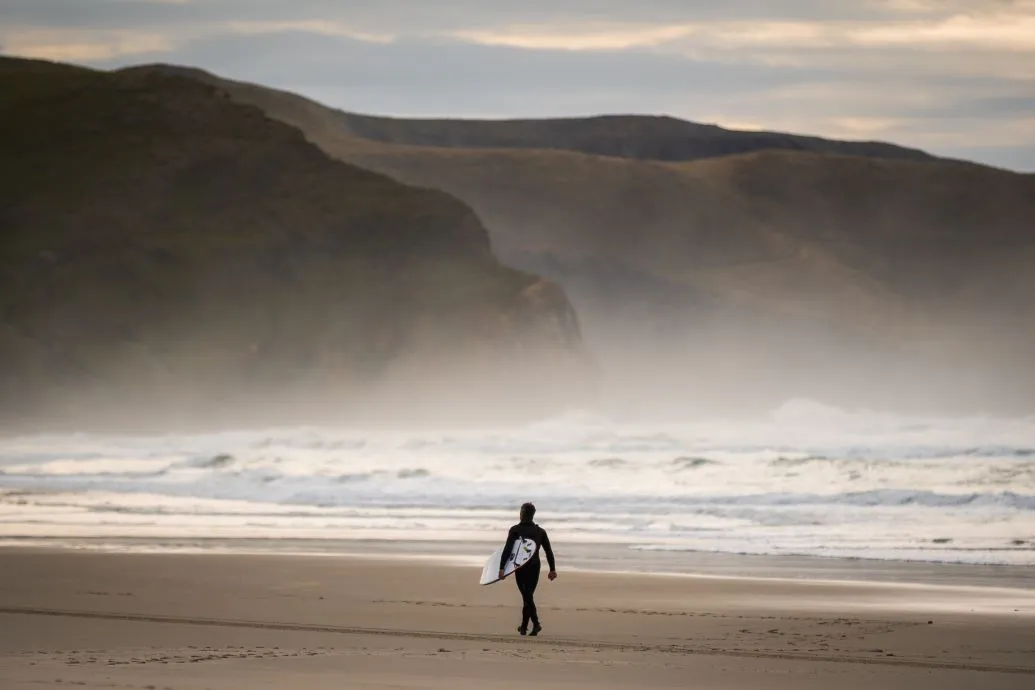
{"type": "Point", "coordinates": [527, 577]}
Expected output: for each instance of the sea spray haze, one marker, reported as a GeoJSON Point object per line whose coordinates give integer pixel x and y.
{"type": "Point", "coordinates": [719, 269]}
{"type": "Point", "coordinates": [807, 479]}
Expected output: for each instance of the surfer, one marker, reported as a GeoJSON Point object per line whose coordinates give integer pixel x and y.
{"type": "Point", "coordinates": [527, 577]}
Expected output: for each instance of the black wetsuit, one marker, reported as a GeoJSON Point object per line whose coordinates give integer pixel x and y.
{"type": "Point", "coordinates": [527, 576]}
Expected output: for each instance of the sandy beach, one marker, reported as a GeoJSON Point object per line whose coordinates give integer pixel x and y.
{"type": "Point", "coordinates": [90, 619]}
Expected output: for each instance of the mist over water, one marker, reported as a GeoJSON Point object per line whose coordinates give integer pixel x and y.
{"type": "Point", "coordinates": [805, 478]}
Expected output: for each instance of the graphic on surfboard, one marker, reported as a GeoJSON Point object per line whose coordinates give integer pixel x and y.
{"type": "Point", "coordinates": [520, 553]}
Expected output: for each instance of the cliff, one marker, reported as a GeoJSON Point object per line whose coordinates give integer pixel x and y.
{"type": "Point", "coordinates": [170, 256]}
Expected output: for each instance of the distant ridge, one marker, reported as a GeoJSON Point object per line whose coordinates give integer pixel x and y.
{"type": "Point", "coordinates": [645, 137]}
{"type": "Point", "coordinates": [642, 137]}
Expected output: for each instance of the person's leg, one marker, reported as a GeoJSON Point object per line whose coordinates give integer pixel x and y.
{"type": "Point", "coordinates": [520, 579]}
{"type": "Point", "coordinates": [527, 578]}
{"type": "Point", "coordinates": [531, 582]}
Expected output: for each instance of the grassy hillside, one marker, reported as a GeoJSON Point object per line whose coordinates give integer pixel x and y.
{"type": "Point", "coordinates": [165, 248]}
{"type": "Point", "coordinates": [773, 273]}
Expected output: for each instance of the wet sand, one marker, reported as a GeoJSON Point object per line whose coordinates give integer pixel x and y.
{"type": "Point", "coordinates": [89, 619]}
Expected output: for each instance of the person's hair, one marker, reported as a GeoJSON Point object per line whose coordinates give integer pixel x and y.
{"type": "Point", "coordinates": [527, 511]}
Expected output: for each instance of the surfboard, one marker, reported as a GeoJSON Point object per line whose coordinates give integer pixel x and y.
{"type": "Point", "coordinates": [520, 553]}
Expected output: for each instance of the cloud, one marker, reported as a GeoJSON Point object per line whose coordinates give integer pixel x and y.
{"type": "Point", "coordinates": [576, 38]}
{"type": "Point", "coordinates": [417, 16]}
{"type": "Point", "coordinates": [72, 45]}
{"type": "Point", "coordinates": [412, 17]}
{"type": "Point", "coordinates": [950, 75]}
{"type": "Point", "coordinates": [1001, 32]}
{"type": "Point", "coordinates": [319, 27]}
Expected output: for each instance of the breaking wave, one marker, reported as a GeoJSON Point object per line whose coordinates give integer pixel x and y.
{"type": "Point", "coordinates": [810, 479]}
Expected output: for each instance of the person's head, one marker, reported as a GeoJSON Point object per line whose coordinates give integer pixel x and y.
{"type": "Point", "coordinates": [527, 512]}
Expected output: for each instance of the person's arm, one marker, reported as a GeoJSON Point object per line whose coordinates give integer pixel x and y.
{"type": "Point", "coordinates": [511, 538]}
{"type": "Point", "coordinates": [549, 552]}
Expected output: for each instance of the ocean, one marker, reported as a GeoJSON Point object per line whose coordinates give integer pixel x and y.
{"type": "Point", "coordinates": [807, 479]}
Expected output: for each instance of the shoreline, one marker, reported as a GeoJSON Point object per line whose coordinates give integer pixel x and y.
{"type": "Point", "coordinates": [602, 558]}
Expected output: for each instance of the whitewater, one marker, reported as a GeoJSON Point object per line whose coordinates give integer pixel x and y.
{"type": "Point", "coordinates": [807, 480]}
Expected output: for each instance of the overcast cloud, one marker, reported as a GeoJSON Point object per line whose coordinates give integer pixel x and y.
{"type": "Point", "coordinates": [954, 77]}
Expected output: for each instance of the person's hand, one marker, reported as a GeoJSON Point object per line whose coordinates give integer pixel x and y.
{"type": "Point", "coordinates": [552, 575]}
{"type": "Point", "coordinates": [502, 576]}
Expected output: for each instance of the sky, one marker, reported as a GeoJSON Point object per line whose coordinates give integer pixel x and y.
{"type": "Point", "coordinates": [954, 77]}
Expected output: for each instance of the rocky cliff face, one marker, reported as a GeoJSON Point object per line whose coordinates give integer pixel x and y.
{"type": "Point", "coordinates": [170, 256]}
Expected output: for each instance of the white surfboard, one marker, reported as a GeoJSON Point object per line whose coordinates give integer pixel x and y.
{"type": "Point", "coordinates": [520, 553]}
